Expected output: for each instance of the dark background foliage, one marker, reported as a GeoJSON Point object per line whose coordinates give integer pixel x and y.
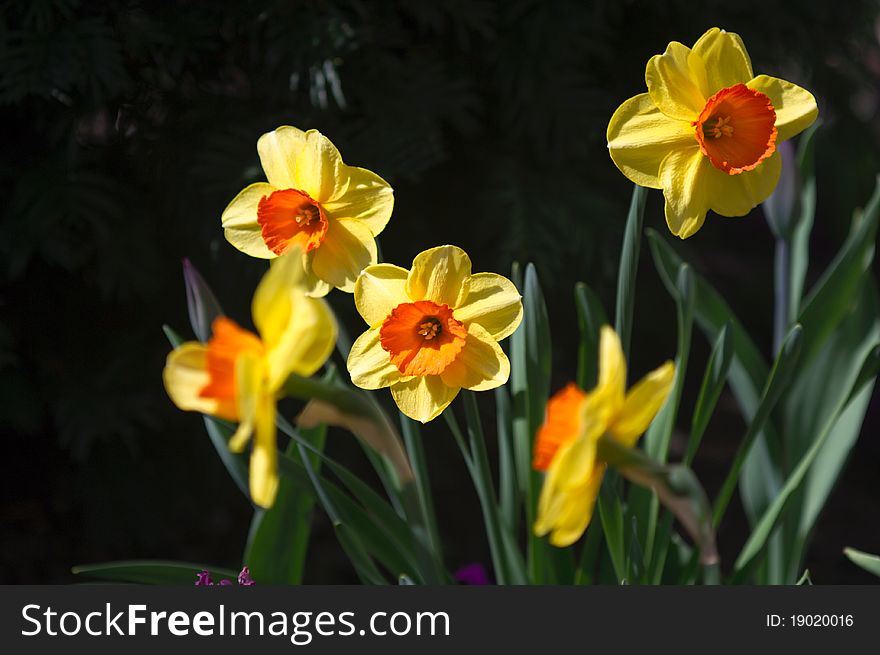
{"type": "Point", "coordinates": [127, 126]}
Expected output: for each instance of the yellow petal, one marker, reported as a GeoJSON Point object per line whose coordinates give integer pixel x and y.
{"type": "Point", "coordinates": [239, 221]}
{"type": "Point", "coordinates": [725, 58]}
{"type": "Point", "coordinates": [795, 107]}
{"type": "Point", "coordinates": [576, 516]}
{"type": "Point", "coordinates": [566, 512]}
{"type": "Point", "coordinates": [673, 80]}
{"type": "Point", "coordinates": [313, 285]}
{"type": "Point", "coordinates": [683, 175]}
{"type": "Point", "coordinates": [573, 464]}
{"type": "Point", "coordinates": [612, 370]}
{"type": "Point", "coordinates": [368, 198]}
{"type": "Point", "coordinates": [319, 169]}
{"type": "Point", "coordinates": [642, 403]}
{"type": "Point", "coordinates": [423, 398]}
{"type": "Point", "coordinates": [278, 150]}
{"type": "Point", "coordinates": [493, 302]}
{"type": "Point", "coordinates": [348, 248]}
{"type": "Point", "coordinates": [249, 371]}
{"type": "Point", "coordinates": [439, 275]}
{"type": "Point", "coordinates": [379, 289]}
{"type": "Point", "coordinates": [737, 195]}
{"type": "Point", "coordinates": [640, 136]}
{"type": "Point", "coordinates": [264, 457]}
{"type": "Point", "coordinates": [369, 364]}
{"type": "Point", "coordinates": [185, 375]}
{"type": "Point", "coordinates": [481, 365]}
{"type": "Point", "coordinates": [299, 332]}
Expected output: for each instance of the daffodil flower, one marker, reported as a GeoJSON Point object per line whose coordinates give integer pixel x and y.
{"type": "Point", "coordinates": [312, 200]}
{"type": "Point", "coordinates": [237, 374]}
{"type": "Point", "coordinates": [567, 442]}
{"type": "Point", "coordinates": [707, 129]}
{"type": "Point", "coordinates": [434, 329]}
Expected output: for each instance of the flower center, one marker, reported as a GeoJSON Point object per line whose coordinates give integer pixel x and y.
{"type": "Point", "coordinates": [430, 328]}
{"type": "Point", "coordinates": [737, 129]}
{"type": "Point", "coordinates": [288, 217]}
{"type": "Point", "coordinates": [422, 337]}
{"type": "Point", "coordinates": [227, 342]}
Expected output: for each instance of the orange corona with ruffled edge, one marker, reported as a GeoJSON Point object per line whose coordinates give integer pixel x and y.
{"type": "Point", "coordinates": [434, 329]}
{"type": "Point", "coordinates": [312, 201]}
{"type": "Point", "coordinates": [707, 129]}
{"type": "Point", "coordinates": [566, 444]}
{"type": "Point", "coordinates": [237, 375]}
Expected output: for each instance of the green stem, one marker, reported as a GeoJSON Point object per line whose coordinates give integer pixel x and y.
{"type": "Point", "coordinates": [781, 318]}
{"type": "Point", "coordinates": [415, 450]}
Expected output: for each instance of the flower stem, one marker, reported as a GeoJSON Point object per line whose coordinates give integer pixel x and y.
{"type": "Point", "coordinates": [782, 279]}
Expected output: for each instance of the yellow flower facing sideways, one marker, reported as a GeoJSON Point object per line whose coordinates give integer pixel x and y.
{"type": "Point", "coordinates": [566, 444]}
{"type": "Point", "coordinates": [313, 201]}
{"type": "Point", "coordinates": [237, 375]}
{"type": "Point", "coordinates": [434, 329]}
{"type": "Point", "coordinates": [707, 129]}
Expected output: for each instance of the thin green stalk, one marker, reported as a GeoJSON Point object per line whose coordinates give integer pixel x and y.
{"type": "Point", "coordinates": [412, 439]}
{"type": "Point", "coordinates": [781, 318]}
{"type": "Point", "coordinates": [508, 551]}
{"type": "Point", "coordinates": [484, 491]}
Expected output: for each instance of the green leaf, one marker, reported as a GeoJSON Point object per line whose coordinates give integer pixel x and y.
{"type": "Point", "coordinates": [506, 558]}
{"type": "Point", "coordinates": [629, 265]}
{"type": "Point", "coordinates": [508, 490]}
{"type": "Point", "coordinates": [819, 389]}
{"type": "Point", "coordinates": [870, 563]}
{"type": "Point", "coordinates": [646, 505]}
{"type": "Point", "coordinates": [611, 516]}
{"type": "Point", "coordinates": [714, 379]}
{"type": "Point", "coordinates": [800, 239]}
{"type": "Point", "coordinates": [832, 296]}
{"type": "Point", "coordinates": [747, 374]}
{"type": "Point", "coordinates": [279, 536]}
{"type": "Point", "coordinates": [530, 386]}
{"type": "Point", "coordinates": [220, 432]}
{"type": "Point", "coordinates": [769, 519]}
{"type": "Point", "coordinates": [412, 438]}
{"type": "Point", "coordinates": [591, 317]}
{"type": "Point", "coordinates": [778, 381]}
{"type": "Point", "coordinates": [372, 512]}
{"type": "Point", "coordinates": [158, 572]}
{"type": "Point", "coordinates": [173, 337]}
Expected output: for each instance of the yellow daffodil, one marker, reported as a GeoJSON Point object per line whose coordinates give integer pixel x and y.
{"type": "Point", "coordinates": [312, 200]}
{"type": "Point", "coordinates": [707, 129]}
{"type": "Point", "coordinates": [434, 329]}
{"type": "Point", "coordinates": [566, 445]}
{"type": "Point", "coordinates": [237, 374]}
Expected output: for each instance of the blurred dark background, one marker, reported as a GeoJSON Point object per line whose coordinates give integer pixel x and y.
{"type": "Point", "coordinates": [127, 127]}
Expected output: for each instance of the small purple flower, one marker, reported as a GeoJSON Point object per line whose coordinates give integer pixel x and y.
{"type": "Point", "coordinates": [203, 579]}
{"type": "Point", "coordinates": [472, 574]}
{"type": "Point", "coordinates": [244, 578]}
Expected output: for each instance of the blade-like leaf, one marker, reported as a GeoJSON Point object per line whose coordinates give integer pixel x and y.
{"type": "Point", "coordinates": [714, 379]}
{"type": "Point", "coordinates": [153, 572]}
{"type": "Point", "coordinates": [832, 297]}
{"type": "Point", "coordinates": [778, 381]}
{"type": "Point", "coordinates": [629, 266]}
{"type": "Point", "coordinates": [279, 536]}
{"type": "Point", "coordinates": [769, 519]}
{"type": "Point", "coordinates": [591, 317]}
{"type": "Point", "coordinates": [870, 563]}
